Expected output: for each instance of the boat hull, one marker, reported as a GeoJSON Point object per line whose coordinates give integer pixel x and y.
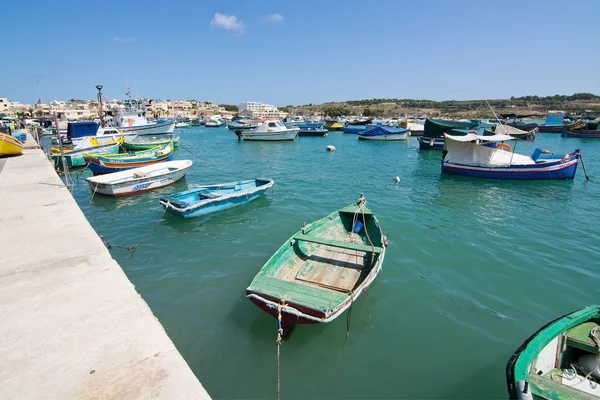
{"type": "Point", "coordinates": [551, 170]}
{"type": "Point", "coordinates": [582, 134]}
{"type": "Point", "coordinates": [385, 138]}
{"type": "Point", "coordinates": [427, 143]}
{"type": "Point", "coordinates": [289, 135]}
{"type": "Point", "coordinates": [139, 185]}
{"type": "Point", "coordinates": [565, 333]}
{"type": "Point", "coordinates": [133, 146]}
{"type": "Point", "coordinates": [312, 132]}
{"type": "Point", "coordinates": [107, 168]}
{"type": "Point", "coordinates": [214, 205]}
{"type": "Point", "coordinates": [10, 146]}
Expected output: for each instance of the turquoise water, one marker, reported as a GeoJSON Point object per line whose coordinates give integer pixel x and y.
{"type": "Point", "coordinates": [472, 269]}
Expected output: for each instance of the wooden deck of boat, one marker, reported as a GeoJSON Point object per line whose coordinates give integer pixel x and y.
{"type": "Point", "coordinates": [327, 267]}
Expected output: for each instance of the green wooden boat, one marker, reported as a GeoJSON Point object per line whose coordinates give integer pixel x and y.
{"type": "Point", "coordinates": [145, 143]}
{"type": "Point", "coordinates": [322, 269]}
{"type": "Point", "coordinates": [559, 361]}
{"type": "Point", "coordinates": [75, 157]}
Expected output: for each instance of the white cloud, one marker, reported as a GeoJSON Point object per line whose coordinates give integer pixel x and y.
{"type": "Point", "coordinates": [229, 22]}
{"type": "Point", "coordinates": [274, 18]}
{"type": "Point", "coordinates": [123, 39]}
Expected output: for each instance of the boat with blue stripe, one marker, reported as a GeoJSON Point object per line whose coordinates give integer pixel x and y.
{"type": "Point", "coordinates": [207, 199]}
{"type": "Point", "coordinates": [467, 156]}
{"type": "Point", "coordinates": [384, 133]}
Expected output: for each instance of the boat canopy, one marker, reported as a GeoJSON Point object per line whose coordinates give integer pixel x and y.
{"type": "Point", "coordinates": [461, 150]}
{"type": "Point", "coordinates": [382, 130]}
{"type": "Point", "coordinates": [508, 130]}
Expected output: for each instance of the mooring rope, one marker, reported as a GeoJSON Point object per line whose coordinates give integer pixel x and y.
{"type": "Point", "coordinates": [278, 342]}
{"type": "Point", "coordinates": [110, 245]}
{"type": "Point", "coordinates": [95, 188]}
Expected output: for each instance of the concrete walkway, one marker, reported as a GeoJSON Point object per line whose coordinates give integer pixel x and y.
{"type": "Point", "coordinates": [71, 323]}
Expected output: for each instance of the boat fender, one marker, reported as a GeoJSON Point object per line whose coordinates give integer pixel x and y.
{"type": "Point", "coordinates": [330, 148]}
{"type": "Point", "coordinates": [431, 142]}
{"type": "Point", "coordinates": [590, 363]}
{"type": "Point", "coordinates": [523, 391]}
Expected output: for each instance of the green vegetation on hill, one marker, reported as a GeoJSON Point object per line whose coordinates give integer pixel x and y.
{"type": "Point", "coordinates": [576, 103]}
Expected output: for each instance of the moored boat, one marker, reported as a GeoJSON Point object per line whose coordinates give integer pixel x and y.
{"type": "Point", "coordinates": [384, 133]}
{"type": "Point", "coordinates": [322, 269]}
{"type": "Point", "coordinates": [559, 361]}
{"type": "Point", "coordinates": [434, 129]}
{"type": "Point", "coordinates": [270, 130]}
{"type": "Point", "coordinates": [148, 142]}
{"type": "Point", "coordinates": [88, 146]}
{"type": "Point", "coordinates": [312, 131]}
{"type": "Point", "coordinates": [207, 199]}
{"type": "Point", "coordinates": [139, 180]}
{"type": "Point", "coordinates": [105, 164]}
{"type": "Point", "coordinates": [10, 146]}
{"type": "Point", "coordinates": [464, 155]}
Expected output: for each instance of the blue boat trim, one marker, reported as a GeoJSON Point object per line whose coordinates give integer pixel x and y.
{"type": "Point", "coordinates": [203, 201]}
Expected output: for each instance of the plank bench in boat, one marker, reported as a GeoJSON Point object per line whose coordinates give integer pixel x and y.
{"type": "Point", "coordinates": [579, 337]}
{"type": "Point", "coordinates": [337, 243]}
{"type": "Point", "coordinates": [313, 297]}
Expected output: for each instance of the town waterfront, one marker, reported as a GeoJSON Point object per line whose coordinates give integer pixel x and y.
{"type": "Point", "coordinates": [473, 266]}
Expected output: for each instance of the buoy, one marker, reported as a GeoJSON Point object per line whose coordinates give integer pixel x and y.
{"type": "Point", "coordinates": [330, 148]}
{"type": "Point", "coordinates": [397, 179]}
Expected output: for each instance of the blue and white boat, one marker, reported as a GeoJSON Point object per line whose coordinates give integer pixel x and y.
{"type": "Point", "coordinates": [384, 133]}
{"type": "Point", "coordinates": [466, 155]}
{"type": "Point", "coordinates": [208, 199]}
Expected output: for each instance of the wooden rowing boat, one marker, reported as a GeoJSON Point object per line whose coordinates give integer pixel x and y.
{"type": "Point", "coordinates": [559, 361]}
{"type": "Point", "coordinates": [207, 199]}
{"type": "Point", "coordinates": [322, 269]}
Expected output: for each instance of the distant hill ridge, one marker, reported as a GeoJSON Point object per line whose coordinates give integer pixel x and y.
{"type": "Point", "coordinates": [578, 103]}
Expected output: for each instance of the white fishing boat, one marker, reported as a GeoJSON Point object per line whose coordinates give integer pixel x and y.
{"type": "Point", "coordinates": [182, 125]}
{"type": "Point", "coordinates": [214, 122]}
{"type": "Point", "coordinates": [138, 180]}
{"type": "Point", "coordinates": [270, 130]}
{"type": "Point", "coordinates": [131, 119]}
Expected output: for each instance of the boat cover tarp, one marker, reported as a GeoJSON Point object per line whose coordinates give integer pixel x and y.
{"type": "Point", "coordinates": [437, 127]}
{"type": "Point", "coordinates": [461, 151]}
{"type": "Point", "coordinates": [381, 130]}
{"type": "Point", "coordinates": [508, 130]}
{"type": "Point", "coordinates": [81, 129]}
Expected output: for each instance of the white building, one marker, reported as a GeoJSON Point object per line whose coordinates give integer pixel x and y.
{"type": "Point", "coordinates": [4, 105]}
{"type": "Point", "coordinates": [259, 110]}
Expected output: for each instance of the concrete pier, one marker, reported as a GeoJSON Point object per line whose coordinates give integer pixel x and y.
{"type": "Point", "coordinates": [71, 323]}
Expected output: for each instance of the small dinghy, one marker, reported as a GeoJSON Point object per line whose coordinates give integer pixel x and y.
{"type": "Point", "coordinates": [100, 164]}
{"type": "Point", "coordinates": [138, 180]}
{"type": "Point", "coordinates": [322, 269]}
{"type": "Point", "coordinates": [559, 361]}
{"type": "Point", "coordinates": [207, 199]}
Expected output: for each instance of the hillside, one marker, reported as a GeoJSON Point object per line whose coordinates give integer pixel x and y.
{"type": "Point", "coordinates": [576, 104]}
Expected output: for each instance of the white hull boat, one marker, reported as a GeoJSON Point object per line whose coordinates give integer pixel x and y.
{"type": "Point", "coordinates": [139, 180]}
{"type": "Point", "coordinates": [271, 130]}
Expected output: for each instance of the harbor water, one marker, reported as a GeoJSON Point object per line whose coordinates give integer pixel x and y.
{"type": "Point", "coordinates": [473, 266]}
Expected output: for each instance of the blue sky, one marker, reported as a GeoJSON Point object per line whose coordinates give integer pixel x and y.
{"type": "Point", "coordinates": [299, 52]}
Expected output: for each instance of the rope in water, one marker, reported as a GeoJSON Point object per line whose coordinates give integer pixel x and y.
{"type": "Point", "coordinates": [587, 178]}
{"type": "Point", "coordinates": [110, 245]}
{"type": "Point", "coordinates": [95, 188]}
{"type": "Point", "coordinates": [278, 342]}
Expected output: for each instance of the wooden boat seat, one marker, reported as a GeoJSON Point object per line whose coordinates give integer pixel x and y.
{"type": "Point", "coordinates": [579, 337]}
{"type": "Point", "coordinates": [311, 296]}
{"type": "Point", "coordinates": [337, 243]}
{"type": "Point", "coordinates": [548, 388]}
